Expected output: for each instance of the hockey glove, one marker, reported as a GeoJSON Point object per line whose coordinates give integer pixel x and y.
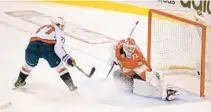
{"type": "Point", "coordinates": [69, 61]}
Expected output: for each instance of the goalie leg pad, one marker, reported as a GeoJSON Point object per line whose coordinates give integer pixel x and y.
{"type": "Point", "coordinates": [164, 92]}
{"type": "Point", "coordinates": [143, 88]}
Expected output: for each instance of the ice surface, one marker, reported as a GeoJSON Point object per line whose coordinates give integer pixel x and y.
{"type": "Point", "coordinates": [45, 92]}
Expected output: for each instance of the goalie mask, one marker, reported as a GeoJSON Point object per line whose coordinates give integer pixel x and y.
{"type": "Point", "coordinates": [129, 47]}
{"type": "Point", "coordinates": [59, 22]}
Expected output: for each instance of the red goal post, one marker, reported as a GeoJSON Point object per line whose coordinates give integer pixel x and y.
{"type": "Point", "coordinates": [187, 21]}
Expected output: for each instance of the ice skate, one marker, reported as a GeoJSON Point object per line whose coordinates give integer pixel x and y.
{"type": "Point", "coordinates": [72, 87]}
{"type": "Point", "coordinates": [171, 94]}
{"type": "Point", "coordinates": [19, 83]}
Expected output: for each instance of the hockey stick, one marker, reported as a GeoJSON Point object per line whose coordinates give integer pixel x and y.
{"type": "Point", "coordinates": [6, 105]}
{"type": "Point", "coordinates": [134, 27]}
{"type": "Point", "coordinates": [88, 75]}
{"type": "Point", "coordinates": [110, 70]}
{"type": "Point", "coordinates": [128, 36]}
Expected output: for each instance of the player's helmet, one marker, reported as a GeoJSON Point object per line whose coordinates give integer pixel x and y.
{"type": "Point", "coordinates": [58, 21]}
{"type": "Point", "coordinates": [129, 46]}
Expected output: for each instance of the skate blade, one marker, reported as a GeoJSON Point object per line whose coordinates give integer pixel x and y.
{"type": "Point", "coordinates": [74, 92]}
{"type": "Point", "coordinates": [17, 88]}
{"type": "Point", "coordinates": [22, 89]}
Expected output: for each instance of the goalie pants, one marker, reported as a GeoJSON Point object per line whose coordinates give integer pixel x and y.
{"type": "Point", "coordinates": [36, 50]}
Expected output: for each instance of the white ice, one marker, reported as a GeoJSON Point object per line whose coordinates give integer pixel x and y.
{"type": "Point", "coordinates": [47, 93]}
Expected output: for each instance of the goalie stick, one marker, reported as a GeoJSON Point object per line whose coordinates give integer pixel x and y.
{"type": "Point", "coordinates": [110, 70]}
{"type": "Point", "coordinates": [6, 105]}
{"type": "Point", "coordinates": [88, 75]}
{"type": "Point", "coordinates": [134, 27]}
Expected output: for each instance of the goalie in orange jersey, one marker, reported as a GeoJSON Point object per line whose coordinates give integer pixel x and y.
{"type": "Point", "coordinates": [133, 66]}
{"type": "Point", "coordinates": [130, 59]}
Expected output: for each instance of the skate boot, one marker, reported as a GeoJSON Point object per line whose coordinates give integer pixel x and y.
{"type": "Point", "coordinates": [68, 81]}
{"type": "Point", "coordinates": [72, 87]}
{"type": "Point", "coordinates": [19, 83]}
{"type": "Point", "coordinates": [171, 94]}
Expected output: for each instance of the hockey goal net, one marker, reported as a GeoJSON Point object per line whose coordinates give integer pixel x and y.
{"type": "Point", "coordinates": [177, 48]}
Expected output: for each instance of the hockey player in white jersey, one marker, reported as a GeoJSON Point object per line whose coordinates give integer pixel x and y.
{"type": "Point", "coordinates": [47, 43]}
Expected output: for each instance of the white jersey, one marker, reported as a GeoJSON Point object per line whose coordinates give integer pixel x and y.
{"type": "Point", "coordinates": [51, 34]}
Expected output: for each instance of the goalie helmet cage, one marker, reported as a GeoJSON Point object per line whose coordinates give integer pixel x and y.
{"type": "Point", "coordinates": [154, 28]}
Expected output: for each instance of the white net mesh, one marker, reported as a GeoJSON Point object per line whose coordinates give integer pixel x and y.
{"type": "Point", "coordinates": [175, 44]}
{"type": "Point", "coordinates": [176, 47]}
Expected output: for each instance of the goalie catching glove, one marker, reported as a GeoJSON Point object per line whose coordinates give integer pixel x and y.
{"type": "Point", "coordinates": [69, 60]}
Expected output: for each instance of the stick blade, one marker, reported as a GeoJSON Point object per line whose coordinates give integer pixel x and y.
{"type": "Point", "coordinates": [92, 72]}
